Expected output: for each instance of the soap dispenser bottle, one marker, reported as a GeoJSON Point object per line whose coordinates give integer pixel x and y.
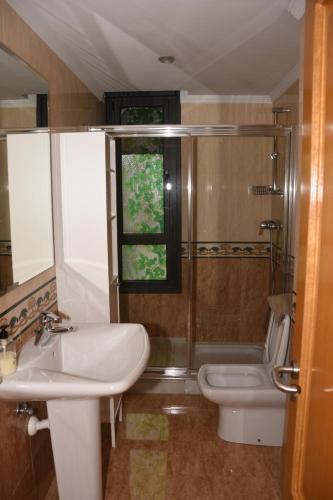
{"type": "Point", "coordinates": [7, 353]}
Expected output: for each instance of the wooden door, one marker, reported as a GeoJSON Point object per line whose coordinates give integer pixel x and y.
{"type": "Point", "coordinates": [308, 453]}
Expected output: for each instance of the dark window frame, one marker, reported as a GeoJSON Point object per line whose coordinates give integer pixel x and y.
{"type": "Point", "coordinates": [170, 101]}
{"type": "Point", "coordinates": [42, 118]}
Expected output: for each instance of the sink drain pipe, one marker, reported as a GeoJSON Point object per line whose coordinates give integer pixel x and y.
{"type": "Point", "coordinates": [35, 425]}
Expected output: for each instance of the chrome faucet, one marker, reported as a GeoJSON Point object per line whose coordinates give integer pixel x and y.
{"type": "Point", "coordinates": [48, 328]}
{"type": "Point", "coordinates": [271, 225]}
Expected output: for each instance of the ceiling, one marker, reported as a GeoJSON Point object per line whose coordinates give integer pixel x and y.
{"type": "Point", "coordinates": [17, 80]}
{"type": "Point", "coordinates": [248, 47]}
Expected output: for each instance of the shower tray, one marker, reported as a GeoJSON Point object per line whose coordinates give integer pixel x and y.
{"type": "Point", "coordinates": [171, 351]}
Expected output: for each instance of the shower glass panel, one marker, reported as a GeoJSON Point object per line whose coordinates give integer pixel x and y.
{"type": "Point", "coordinates": [232, 268]}
{"type": "Point", "coordinates": [169, 336]}
{"type": "Point", "coordinates": [225, 261]}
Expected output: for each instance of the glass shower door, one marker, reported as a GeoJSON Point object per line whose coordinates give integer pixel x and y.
{"type": "Point", "coordinates": [225, 261]}
{"type": "Point", "coordinates": [231, 258]}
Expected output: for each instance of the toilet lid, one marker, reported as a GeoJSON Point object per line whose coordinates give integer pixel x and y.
{"type": "Point", "coordinates": [277, 341]}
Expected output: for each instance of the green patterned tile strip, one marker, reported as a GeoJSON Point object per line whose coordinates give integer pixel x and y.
{"type": "Point", "coordinates": [147, 427]}
{"type": "Point", "coordinates": [143, 193]}
{"type": "Point", "coordinates": [148, 471]}
{"type": "Point", "coordinates": [144, 262]}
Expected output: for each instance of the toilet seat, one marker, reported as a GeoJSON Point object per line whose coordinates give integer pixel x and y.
{"type": "Point", "coordinates": [249, 384]}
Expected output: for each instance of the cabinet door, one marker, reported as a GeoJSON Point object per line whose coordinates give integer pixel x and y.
{"type": "Point", "coordinates": [80, 226]}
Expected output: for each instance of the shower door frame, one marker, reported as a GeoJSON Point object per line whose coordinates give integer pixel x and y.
{"type": "Point", "coordinates": [192, 132]}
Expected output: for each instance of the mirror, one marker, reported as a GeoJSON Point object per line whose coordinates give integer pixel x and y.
{"type": "Point", "coordinates": [26, 236]}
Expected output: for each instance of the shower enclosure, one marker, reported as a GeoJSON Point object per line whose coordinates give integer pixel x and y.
{"type": "Point", "coordinates": [233, 179]}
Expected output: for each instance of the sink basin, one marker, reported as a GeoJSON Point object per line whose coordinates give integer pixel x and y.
{"type": "Point", "coordinates": [71, 373]}
{"type": "Point", "coordinates": [94, 360]}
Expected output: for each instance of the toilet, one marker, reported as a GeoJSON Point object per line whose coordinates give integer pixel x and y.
{"type": "Point", "coordinates": [251, 408]}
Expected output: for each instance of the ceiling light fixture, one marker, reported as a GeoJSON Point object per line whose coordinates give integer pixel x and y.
{"type": "Point", "coordinates": [166, 59]}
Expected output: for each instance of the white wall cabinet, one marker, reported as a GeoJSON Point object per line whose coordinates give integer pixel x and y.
{"type": "Point", "coordinates": [85, 222]}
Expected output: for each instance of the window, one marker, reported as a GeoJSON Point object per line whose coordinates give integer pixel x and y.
{"type": "Point", "coordinates": [41, 110]}
{"type": "Point", "coordinates": [148, 193]}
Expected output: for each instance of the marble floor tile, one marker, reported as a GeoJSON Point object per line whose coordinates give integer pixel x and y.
{"type": "Point", "coordinates": [189, 462]}
{"type": "Point", "coordinates": [148, 470]}
{"type": "Point", "coordinates": [147, 426]}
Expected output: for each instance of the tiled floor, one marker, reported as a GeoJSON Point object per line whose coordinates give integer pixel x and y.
{"type": "Point", "coordinates": [167, 449]}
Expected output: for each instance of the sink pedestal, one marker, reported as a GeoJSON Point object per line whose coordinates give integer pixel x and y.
{"type": "Point", "coordinates": [71, 373]}
{"type": "Point", "coordinates": [76, 442]}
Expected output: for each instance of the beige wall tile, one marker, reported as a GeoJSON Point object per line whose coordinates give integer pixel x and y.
{"type": "Point", "coordinates": [226, 113]}
{"type": "Point", "coordinates": [225, 168]}
{"type": "Point", "coordinates": [18, 117]}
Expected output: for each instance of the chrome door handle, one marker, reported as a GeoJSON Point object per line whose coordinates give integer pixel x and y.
{"type": "Point", "coordinates": [292, 370]}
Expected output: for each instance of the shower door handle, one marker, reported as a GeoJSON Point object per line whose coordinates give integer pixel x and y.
{"type": "Point", "coordinates": [293, 370]}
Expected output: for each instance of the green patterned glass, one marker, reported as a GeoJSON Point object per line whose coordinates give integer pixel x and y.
{"type": "Point", "coordinates": [141, 115]}
{"type": "Point", "coordinates": [144, 262]}
{"type": "Point", "coordinates": [143, 193]}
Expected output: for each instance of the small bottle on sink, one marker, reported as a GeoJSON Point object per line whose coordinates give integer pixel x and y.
{"type": "Point", "coordinates": [7, 353]}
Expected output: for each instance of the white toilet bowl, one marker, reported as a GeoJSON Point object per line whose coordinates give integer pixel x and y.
{"type": "Point", "coordinates": [251, 408]}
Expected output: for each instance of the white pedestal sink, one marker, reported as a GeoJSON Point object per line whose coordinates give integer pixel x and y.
{"type": "Point", "coordinates": [71, 373]}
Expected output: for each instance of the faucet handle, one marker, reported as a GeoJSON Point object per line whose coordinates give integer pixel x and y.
{"type": "Point", "coordinates": [47, 317]}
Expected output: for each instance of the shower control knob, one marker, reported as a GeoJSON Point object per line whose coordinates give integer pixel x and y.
{"type": "Point", "coordinates": [271, 225]}
{"type": "Point", "coordinates": [273, 156]}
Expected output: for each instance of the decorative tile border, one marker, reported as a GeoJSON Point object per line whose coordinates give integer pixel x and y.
{"type": "Point", "coordinates": [227, 249]}
{"type": "Point", "coordinates": [24, 313]}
